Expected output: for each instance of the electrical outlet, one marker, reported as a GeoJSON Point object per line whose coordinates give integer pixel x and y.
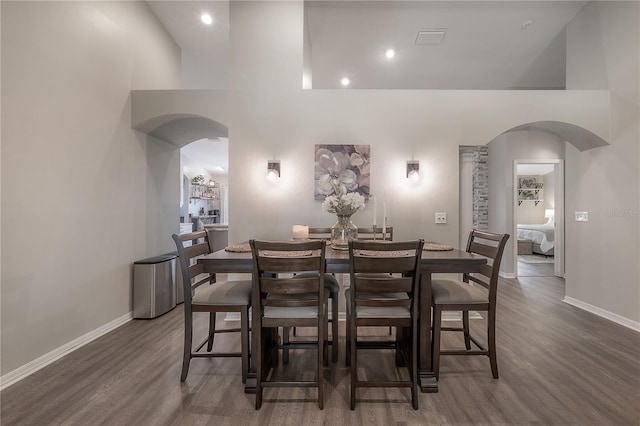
{"type": "Point", "coordinates": [441, 218]}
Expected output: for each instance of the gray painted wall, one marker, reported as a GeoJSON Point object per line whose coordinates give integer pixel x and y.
{"type": "Point", "coordinates": [602, 254]}
{"type": "Point", "coordinates": [83, 195]}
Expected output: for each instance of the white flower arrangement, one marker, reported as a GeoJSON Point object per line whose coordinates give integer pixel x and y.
{"type": "Point", "coordinates": [343, 204]}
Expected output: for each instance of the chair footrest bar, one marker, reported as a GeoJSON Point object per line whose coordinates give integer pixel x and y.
{"type": "Point", "coordinates": [451, 329]}
{"type": "Point", "coordinates": [217, 355]}
{"type": "Point", "coordinates": [383, 384]}
{"type": "Point", "coordinates": [376, 345]}
{"type": "Point", "coordinates": [464, 352]}
{"type": "Point", "coordinates": [297, 345]}
{"type": "Point", "coordinates": [289, 384]}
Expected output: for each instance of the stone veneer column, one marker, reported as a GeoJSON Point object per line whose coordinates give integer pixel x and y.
{"type": "Point", "coordinates": [481, 188]}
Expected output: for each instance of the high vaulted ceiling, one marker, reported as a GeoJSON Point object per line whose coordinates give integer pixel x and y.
{"type": "Point", "coordinates": [487, 45]}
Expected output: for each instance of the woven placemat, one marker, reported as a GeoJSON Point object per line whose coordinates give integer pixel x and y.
{"type": "Point", "coordinates": [293, 253]}
{"type": "Point", "coordinates": [238, 248]}
{"type": "Point", "coordinates": [384, 253]}
{"type": "Point", "coordinates": [436, 247]}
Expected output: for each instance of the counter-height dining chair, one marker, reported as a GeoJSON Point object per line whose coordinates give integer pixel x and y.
{"type": "Point", "coordinates": [332, 290]}
{"type": "Point", "coordinates": [450, 295]}
{"type": "Point", "coordinates": [203, 294]}
{"type": "Point", "coordinates": [376, 233]}
{"type": "Point", "coordinates": [288, 292]}
{"type": "Point", "coordinates": [384, 292]}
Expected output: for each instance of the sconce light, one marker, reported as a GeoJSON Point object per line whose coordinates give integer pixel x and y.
{"type": "Point", "coordinates": [212, 182]}
{"type": "Point", "coordinates": [413, 170]}
{"type": "Point", "coordinates": [273, 169]}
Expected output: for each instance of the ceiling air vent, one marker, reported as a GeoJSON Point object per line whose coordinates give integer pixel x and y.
{"type": "Point", "coordinates": [431, 36]}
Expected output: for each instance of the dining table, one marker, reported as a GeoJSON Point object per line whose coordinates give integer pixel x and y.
{"type": "Point", "coordinates": [337, 261]}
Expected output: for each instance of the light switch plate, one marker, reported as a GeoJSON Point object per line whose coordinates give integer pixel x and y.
{"type": "Point", "coordinates": [441, 218]}
{"type": "Point", "coordinates": [582, 216]}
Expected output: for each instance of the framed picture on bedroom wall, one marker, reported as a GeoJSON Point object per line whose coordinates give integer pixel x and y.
{"type": "Point", "coordinates": [527, 182]}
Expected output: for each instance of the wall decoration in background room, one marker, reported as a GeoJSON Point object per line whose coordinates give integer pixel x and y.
{"type": "Point", "coordinates": [346, 166]}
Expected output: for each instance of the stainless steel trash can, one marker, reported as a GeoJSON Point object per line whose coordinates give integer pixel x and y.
{"type": "Point", "coordinates": [154, 286]}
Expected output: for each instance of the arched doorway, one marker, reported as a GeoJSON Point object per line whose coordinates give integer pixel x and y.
{"type": "Point", "coordinates": [502, 181]}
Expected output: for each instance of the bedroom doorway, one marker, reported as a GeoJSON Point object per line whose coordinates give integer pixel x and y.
{"type": "Point", "coordinates": [538, 217]}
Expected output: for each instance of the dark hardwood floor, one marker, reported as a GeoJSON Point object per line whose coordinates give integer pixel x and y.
{"type": "Point", "coordinates": [558, 365]}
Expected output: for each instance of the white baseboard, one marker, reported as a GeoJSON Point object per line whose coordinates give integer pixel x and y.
{"type": "Point", "coordinates": [626, 322]}
{"type": "Point", "coordinates": [507, 274]}
{"type": "Point", "coordinates": [48, 358]}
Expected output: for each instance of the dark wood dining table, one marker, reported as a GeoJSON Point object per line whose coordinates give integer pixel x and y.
{"type": "Point", "coordinates": [452, 261]}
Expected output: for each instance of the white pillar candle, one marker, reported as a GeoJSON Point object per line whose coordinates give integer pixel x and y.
{"type": "Point", "coordinates": [375, 212]}
{"type": "Point", "coordinates": [300, 232]}
{"type": "Point", "coordinates": [384, 214]}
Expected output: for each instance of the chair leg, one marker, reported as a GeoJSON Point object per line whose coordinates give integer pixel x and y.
{"type": "Point", "coordinates": [465, 326]}
{"type": "Point", "coordinates": [285, 345]}
{"type": "Point", "coordinates": [491, 337]}
{"type": "Point", "coordinates": [188, 342]}
{"type": "Point", "coordinates": [259, 360]}
{"type": "Point", "coordinates": [437, 322]}
{"type": "Point", "coordinates": [334, 327]}
{"type": "Point", "coordinates": [212, 330]}
{"type": "Point", "coordinates": [244, 344]}
{"type": "Point", "coordinates": [347, 342]}
{"type": "Point", "coordinates": [322, 358]}
{"type": "Point", "coordinates": [399, 345]}
{"type": "Point", "coordinates": [353, 362]}
{"type": "Point", "coordinates": [414, 365]}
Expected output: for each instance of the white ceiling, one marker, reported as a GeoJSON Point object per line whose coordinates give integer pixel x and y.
{"type": "Point", "coordinates": [211, 155]}
{"type": "Point", "coordinates": [534, 169]}
{"type": "Point", "coordinates": [485, 46]}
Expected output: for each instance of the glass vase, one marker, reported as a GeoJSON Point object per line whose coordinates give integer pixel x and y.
{"type": "Point", "coordinates": [342, 232]}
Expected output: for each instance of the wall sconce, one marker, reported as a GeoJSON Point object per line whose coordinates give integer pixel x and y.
{"type": "Point", "coordinates": [273, 169]}
{"type": "Point", "coordinates": [413, 170]}
{"type": "Point", "coordinates": [212, 182]}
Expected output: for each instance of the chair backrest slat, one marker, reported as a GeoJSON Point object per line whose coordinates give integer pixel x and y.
{"type": "Point", "coordinates": [197, 250]}
{"type": "Point", "coordinates": [300, 285]}
{"type": "Point", "coordinates": [289, 263]}
{"type": "Point", "coordinates": [388, 284]}
{"type": "Point", "coordinates": [372, 264]}
{"type": "Point", "coordinates": [320, 233]}
{"type": "Point", "coordinates": [365, 234]}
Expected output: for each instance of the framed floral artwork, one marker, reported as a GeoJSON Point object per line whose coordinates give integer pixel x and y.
{"type": "Point", "coordinates": [342, 167]}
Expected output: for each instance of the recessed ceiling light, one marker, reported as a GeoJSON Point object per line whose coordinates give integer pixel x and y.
{"type": "Point", "coordinates": [206, 18]}
{"type": "Point", "coordinates": [345, 81]}
{"type": "Point", "coordinates": [390, 53]}
{"type": "Point", "coordinates": [526, 24]}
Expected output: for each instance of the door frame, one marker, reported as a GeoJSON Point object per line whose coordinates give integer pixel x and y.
{"type": "Point", "coordinates": [558, 176]}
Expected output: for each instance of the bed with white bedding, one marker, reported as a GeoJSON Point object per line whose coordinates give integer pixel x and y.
{"type": "Point", "coordinates": [540, 234]}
